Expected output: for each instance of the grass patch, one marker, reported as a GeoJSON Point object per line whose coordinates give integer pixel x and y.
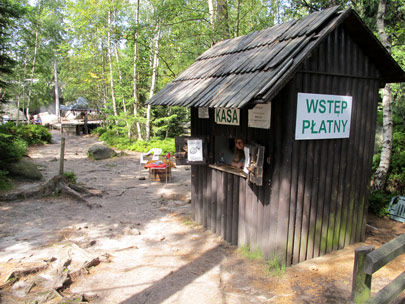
{"type": "Point", "coordinates": [251, 255]}
{"type": "Point", "coordinates": [275, 267]}
{"type": "Point", "coordinates": [71, 177]}
{"type": "Point", "coordinates": [188, 221]}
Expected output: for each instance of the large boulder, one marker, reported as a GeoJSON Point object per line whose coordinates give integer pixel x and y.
{"type": "Point", "coordinates": [100, 151]}
{"type": "Point", "coordinates": [25, 170]}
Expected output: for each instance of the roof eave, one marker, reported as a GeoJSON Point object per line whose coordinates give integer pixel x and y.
{"type": "Point", "coordinates": [391, 71]}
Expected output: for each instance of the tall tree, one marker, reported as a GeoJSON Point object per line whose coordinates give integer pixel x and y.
{"type": "Point", "coordinates": [10, 11]}
{"type": "Point", "coordinates": [155, 64]}
{"type": "Point", "coordinates": [380, 176]}
{"type": "Point", "coordinates": [135, 71]}
{"type": "Point", "coordinates": [110, 61]}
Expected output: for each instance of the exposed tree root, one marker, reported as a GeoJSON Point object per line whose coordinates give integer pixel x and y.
{"type": "Point", "coordinates": [55, 186]}
{"type": "Point", "coordinates": [53, 283]}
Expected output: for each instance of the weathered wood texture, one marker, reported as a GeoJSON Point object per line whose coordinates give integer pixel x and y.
{"type": "Point", "coordinates": [235, 72]}
{"type": "Point", "coordinates": [389, 292]}
{"type": "Point", "coordinates": [361, 283]}
{"type": "Point", "coordinates": [315, 192]}
{"type": "Point", "coordinates": [366, 262]}
{"type": "Point", "coordinates": [385, 254]}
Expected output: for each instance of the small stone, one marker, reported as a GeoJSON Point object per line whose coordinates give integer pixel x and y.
{"type": "Point", "coordinates": [132, 230]}
{"type": "Point", "coordinates": [313, 268]}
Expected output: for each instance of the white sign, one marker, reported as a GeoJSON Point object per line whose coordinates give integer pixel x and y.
{"type": "Point", "coordinates": [227, 116]}
{"type": "Point", "coordinates": [203, 113]}
{"type": "Point", "coordinates": [322, 116]}
{"type": "Point", "coordinates": [247, 159]}
{"type": "Point", "coordinates": [195, 150]}
{"type": "Point", "coordinates": [259, 116]}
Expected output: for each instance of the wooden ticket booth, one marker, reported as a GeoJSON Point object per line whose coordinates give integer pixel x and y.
{"type": "Point", "coordinates": [303, 96]}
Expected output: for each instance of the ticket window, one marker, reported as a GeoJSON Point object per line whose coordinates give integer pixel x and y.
{"type": "Point", "coordinates": [253, 158]}
{"type": "Point", "coordinates": [224, 150]}
{"type": "Point", "coordinates": [194, 151]}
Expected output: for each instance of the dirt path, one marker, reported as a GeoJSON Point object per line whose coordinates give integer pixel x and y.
{"type": "Point", "coordinates": [146, 248]}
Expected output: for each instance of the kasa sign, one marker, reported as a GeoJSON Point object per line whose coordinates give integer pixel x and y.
{"type": "Point", "coordinates": [323, 116]}
{"type": "Point", "coordinates": [227, 116]}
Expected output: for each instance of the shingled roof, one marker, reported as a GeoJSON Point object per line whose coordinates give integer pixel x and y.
{"type": "Point", "coordinates": [255, 67]}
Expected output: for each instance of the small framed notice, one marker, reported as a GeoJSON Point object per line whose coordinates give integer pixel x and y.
{"type": "Point", "coordinates": [191, 150]}
{"type": "Point", "coordinates": [195, 150]}
{"type": "Point", "coordinates": [259, 116]}
{"type": "Point", "coordinates": [203, 113]}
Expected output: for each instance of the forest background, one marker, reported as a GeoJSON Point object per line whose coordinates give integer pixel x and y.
{"type": "Point", "coordinates": [118, 53]}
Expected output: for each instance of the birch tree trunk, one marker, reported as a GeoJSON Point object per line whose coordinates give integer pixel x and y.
{"type": "Point", "coordinates": [237, 19]}
{"type": "Point", "coordinates": [380, 176]}
{"type": "Point", "coordinates": [104, 87]}
{"type": "Point", "coordinates": [212, 13]}
{"type": "Point", "coordinates": [155, 65]}
{"type": "Point", "coordinates": [18, 110]}
{"type": "Point", "coordinates": [135, 73]}
{"type": "Point", "coordinates": [34, 59]}
{"type": "Point", "coordinates": [110, 63]}
{"type": "Point", "coordinates": [57, 104]}
{"type": "Point", "coordinates": [124, 106]}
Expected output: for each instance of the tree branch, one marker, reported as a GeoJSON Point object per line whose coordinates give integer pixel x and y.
{"type": "Point", "coordinates": [186, 20]}
{"type": "Point", "coordinates": [306, 4]}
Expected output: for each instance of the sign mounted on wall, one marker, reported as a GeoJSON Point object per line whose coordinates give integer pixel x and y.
{"type": "Point", "coordinates": [259, 116]}
{"type": "Point", "coordinates": [227, 116]}
{"type": "Point", "coordinates": [321, 116]}
{"type": "Point", "coordinates": [203, 113]}
{"type": "Point", "coordinates": [195, 150]}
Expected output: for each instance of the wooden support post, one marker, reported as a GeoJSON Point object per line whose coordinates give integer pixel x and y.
{"type": "Point", "coordinates": [62, 156]}
{"type": "Point", "coordinates": [361, 285]}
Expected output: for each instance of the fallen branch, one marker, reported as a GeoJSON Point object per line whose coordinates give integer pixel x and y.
{"type": "Point", "coordinates": [18, 274]}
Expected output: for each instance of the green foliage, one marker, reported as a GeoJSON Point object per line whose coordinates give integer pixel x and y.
{"type": "Point", "coordinates": [5, 182]}
{"type": "Point", "coordinates": [396, 178]}
{"type": "Point", "coordinates": [378, 202]}
{"type": "Point", "coordinates": [70, 176]}
{"type": "Point", "coordinates": [10, 12]}
{"type": "Point", "coordinates": [170, 121]}
{"type": "Point", "coordinates": [14, 142]}
{"type": "Point", "coordinates": [396, 173]}
{"type": "Point", "coordinates": [167, 145]}
{"type": "Point", "coordinates": [122, 141]}
{"type": "Point", "coordinates": [251, 255]}
{"type": "Point", "coordinates": [11, 148]}
{"type": "Point", "coordinates": [395, 185]}
{"type": "Point", "coordinates": [32, 134]}
{"type": "Point", "coordinates": [275, 266]}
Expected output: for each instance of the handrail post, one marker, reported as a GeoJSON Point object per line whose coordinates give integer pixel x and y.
{"type": "Point", "coordinates": [361, 285]}
{"type": "Point", "coordinates": [62, 156]}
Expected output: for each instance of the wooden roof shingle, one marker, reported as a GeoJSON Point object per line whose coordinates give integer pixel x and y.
{"type": "Point", "coordinates": [237, 71]}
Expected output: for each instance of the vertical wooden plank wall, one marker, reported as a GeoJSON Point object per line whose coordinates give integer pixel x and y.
{"type": "Point", "coordinates": [329, 179]}
{"type": "Point", "coordinates": [315, 192]}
